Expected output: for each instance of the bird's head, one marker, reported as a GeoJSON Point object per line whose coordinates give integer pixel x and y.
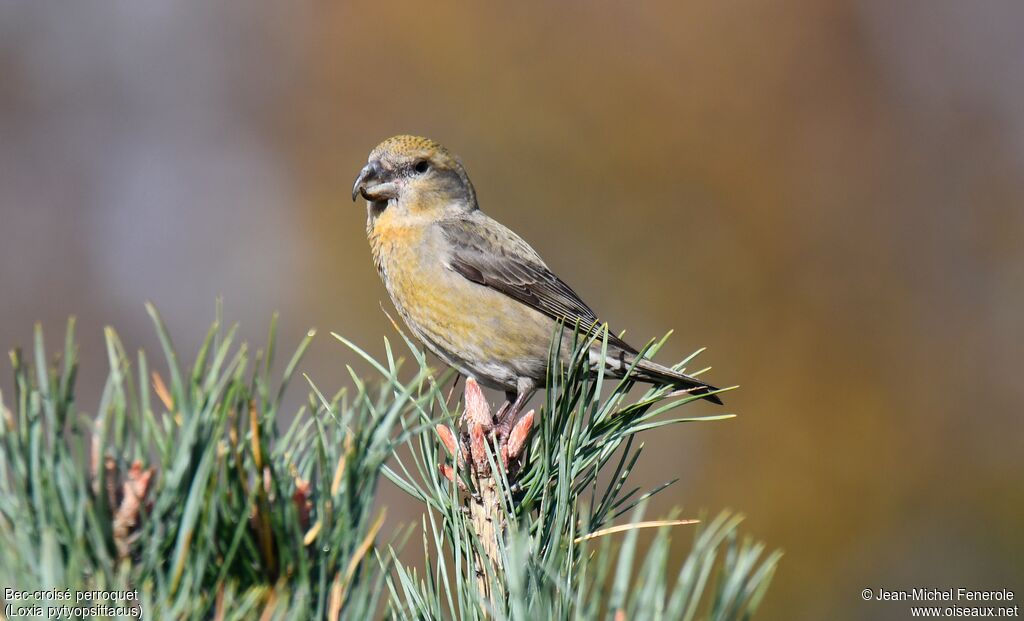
{"type": "Point", "coordinates": [415, 176]}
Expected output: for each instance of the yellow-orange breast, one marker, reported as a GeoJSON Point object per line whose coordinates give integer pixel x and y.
{"type": "Point", "coordinates": [480, 331]}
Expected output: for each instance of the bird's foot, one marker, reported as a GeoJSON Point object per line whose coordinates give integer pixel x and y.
{"type": "Point", "coordinates": [485, 440]}
{"type": "Point", "coordinates": [503, 412]}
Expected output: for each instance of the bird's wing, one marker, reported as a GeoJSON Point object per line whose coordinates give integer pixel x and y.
{"type": "Point", "coordinates": [489, 254]}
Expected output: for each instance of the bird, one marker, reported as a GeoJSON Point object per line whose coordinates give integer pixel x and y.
{"type": "Point", "coordinates": [472, 290]}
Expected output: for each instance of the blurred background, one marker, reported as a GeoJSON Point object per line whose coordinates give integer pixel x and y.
{"type": "Point", "coordinates": [826, 195]}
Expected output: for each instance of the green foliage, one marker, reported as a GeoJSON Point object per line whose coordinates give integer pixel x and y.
{"type": "Point", "coordinates": [549, 569]}
{"type": "Point", "coordinates": [230, 527]}
{"type": "Point", "coordinates": [187, 492]}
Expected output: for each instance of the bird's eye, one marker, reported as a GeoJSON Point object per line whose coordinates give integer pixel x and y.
{"type": "Point", "coordinates": [421, 167]}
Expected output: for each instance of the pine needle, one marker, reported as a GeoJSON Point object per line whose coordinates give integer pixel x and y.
{"type": "Point", "coordinates": [636, 525]}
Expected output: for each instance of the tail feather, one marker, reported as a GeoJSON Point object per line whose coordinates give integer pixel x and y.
{"type": "Point", "coordinates": [618, 363]}
{"type": "Point", "coordinates": [656, 374]}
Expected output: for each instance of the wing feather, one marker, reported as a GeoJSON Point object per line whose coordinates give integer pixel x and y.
{"type": "Point", "coordinates": [487, 253]}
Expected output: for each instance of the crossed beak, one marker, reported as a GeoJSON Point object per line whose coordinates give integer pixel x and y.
{"type": "Point", "coordinates": [372, 185]}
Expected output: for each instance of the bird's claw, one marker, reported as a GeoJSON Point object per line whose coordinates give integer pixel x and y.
{"type": "Point", "coordinates": [471, 447]}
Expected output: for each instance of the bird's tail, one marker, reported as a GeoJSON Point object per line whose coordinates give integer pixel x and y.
{"type": "Point", "coordinates": [654, 373]}
{"type": "Point", "coordinates": [618, 362]}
